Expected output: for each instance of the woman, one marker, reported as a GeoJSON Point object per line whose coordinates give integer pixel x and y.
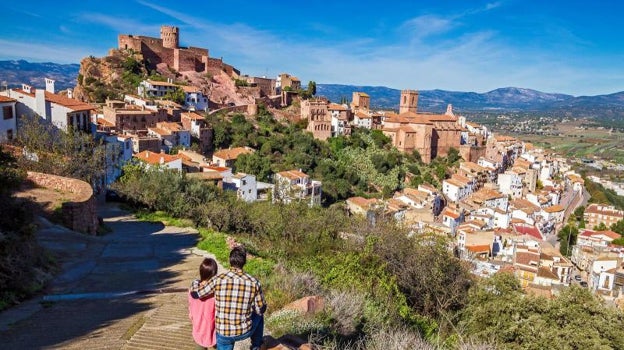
{"type": "Point", "coordinates": [202, 311]}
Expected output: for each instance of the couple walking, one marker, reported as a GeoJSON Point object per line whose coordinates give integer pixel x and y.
{"type": "Point", "coordinates": [228, 307]}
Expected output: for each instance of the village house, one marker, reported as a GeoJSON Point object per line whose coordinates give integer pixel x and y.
{"type": "Point", "coordinates": [264, 84]}
{"type": "Point", "coordinates": [245, 186]}
{"type": "Point", "coordinates": [199, 128]}
{"type": "Point", "coordinates": [452, 218]}
{"type": "Point", "coordinates": [293, 185]}
{"type": "Point", "coordinates": [340, 119]}
{"type": "Point", "coordinates": [227, 157]}
{"type": "Point", "coordinates": [595, 214]}
{"type": "Point", "coordinates": [132, 119]}
{"type": "Point", "coordinates": [368, 208]}
{"type": "Point", "coordinates": [160, 160]}
{"type": "Point", "coordinates": [315, 111]}
{"type": "Point", "coordinates": [194, 99]}
{"type": "Point", "coordinates": [61, 111]}
{"type": "Point", "coordinates": [153, 89]}
{"type": "Point", "coordinates": [8, 119]}
{"type": "Point", "coordinates": [510, 183]}
{"type": "Point", "coordinates": [170, 135]}
{"type": "Point", "coordinates": [286, 81]}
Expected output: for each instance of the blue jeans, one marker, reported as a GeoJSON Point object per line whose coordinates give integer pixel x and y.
{"type": "Point", "coordinates": [256, 332]}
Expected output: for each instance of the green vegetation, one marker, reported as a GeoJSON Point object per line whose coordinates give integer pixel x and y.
{"type": "Point", "coordinates": [363, 164]}
{"type": "Point", "coordinates": [602, 195]}
{"type": "Point", "coordinates": [498, 310]}
{"type": "Point", "coordinates": [375, 279]}
{"type": "Point", "coordinates": [23, 264]}
{"type": "Point", "coordinates": [73, 153]}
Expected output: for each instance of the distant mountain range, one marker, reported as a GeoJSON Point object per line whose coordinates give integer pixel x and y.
{"type": "Point", "coordinates": [14, 73]}
{"type": "Point", "coordinates": [510, 99]}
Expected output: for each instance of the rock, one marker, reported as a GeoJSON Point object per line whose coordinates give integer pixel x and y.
{"type": "Point", "coordinates": [308, 305]}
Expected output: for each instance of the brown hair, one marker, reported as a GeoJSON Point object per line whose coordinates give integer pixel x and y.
{"type": "Point", "coordinates": [207, 269]}
{"type": "Point", "coordinates": [238, 257]}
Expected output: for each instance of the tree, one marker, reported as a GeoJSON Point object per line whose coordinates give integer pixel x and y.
{"type": "Point", "coordinates": [72, 153]}
{"type": "Point", "coordinates": [618, 227]}
{"type": "Point", "coordinates": [567, 238]}
{"type": "Point", "coordinates": [312, 88]}
{"type": "Point", "coordinates": [600, 227]}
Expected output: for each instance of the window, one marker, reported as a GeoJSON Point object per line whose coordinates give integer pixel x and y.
{"type": "Point", "coordinates": [10, 134]}
{"type": "Point", "coordinates": [7, 112]}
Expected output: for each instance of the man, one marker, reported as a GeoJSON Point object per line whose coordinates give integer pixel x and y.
{"type": "Point", "coordinates": [239, 303]}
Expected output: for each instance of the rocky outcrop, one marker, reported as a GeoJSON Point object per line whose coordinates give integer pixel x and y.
{"type": "Point", "coordinates": [109, 77]}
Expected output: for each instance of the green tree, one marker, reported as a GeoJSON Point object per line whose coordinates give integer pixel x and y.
{"type": "Point", "coordinates": [600, 227]}
{"type": "Point", "coordinates": [567, 238]}
{"type": "Point", "coordinates": [618, 227]}
{"type": "Point", "coordinates": [312, 88]}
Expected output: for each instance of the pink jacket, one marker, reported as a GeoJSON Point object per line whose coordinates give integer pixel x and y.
{"type": "Point", "coordinates": [202, 315]}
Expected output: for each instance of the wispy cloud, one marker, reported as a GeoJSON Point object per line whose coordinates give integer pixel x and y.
{"type": "Point", "coordinates": [121, 24]}
{"type": "Point", "coordinates": [427, 25]}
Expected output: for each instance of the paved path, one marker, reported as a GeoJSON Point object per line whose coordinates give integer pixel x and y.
{"type": "Point", "coordinates": [106, 296]}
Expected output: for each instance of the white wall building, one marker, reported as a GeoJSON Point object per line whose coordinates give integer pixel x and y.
{"type": "Point", "coordinates": [152, 88]}
{"type": "Point", "coordinates": [8, 119]}
{"type": "Point", "coordinates": [61, 111]}
{"type": "Point", "coordinates": [194, 99]}
{"type": "Point", "coordinates": [510, 183]}
{"type": "Point", "coordinates": [246, 187]}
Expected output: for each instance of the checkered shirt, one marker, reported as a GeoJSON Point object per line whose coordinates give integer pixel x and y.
{"type": "Point", "coordinates": [237, 295]}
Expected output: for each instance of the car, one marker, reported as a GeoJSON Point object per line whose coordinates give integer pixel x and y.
{"type": "Point", "coordinates": [577, 278]}
{"type": "Point", "coordinates": [112, 196]}
{"type": "Point", "coordinates": [583, 284]}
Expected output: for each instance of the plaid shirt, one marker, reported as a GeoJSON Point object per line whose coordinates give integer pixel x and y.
{"type": "Point", "coordinates": [237, 295]}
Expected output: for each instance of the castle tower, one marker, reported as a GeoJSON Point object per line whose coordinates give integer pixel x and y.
{"type": "Point", "coordinates": [409, 101]}
{"type": "Point", "coordinates": [170, 36]}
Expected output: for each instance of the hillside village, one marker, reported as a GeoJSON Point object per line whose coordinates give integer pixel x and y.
{"type": "Point", "coordinates": [502, 206]}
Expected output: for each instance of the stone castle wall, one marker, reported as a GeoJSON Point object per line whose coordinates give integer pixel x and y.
{"type": "Point", "coordinates": [79, 214]}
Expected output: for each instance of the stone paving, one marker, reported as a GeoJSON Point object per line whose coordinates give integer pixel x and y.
{"type": "Point", "coordinates": [123, 290]}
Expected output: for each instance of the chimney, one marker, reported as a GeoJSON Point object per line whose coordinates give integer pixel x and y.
{"type": "Point", "coordinates": [170, 80]}
{"type": "Point", "coordinates": [162, 160]}
{"type": "Point", "coordinates": [70, 93]}
{"type": "Point", "coordinates": [26, 88]}
{"type": "Point", "coordinates": [50, 85]}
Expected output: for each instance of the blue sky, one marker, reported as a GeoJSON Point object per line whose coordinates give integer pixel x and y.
{"type": "Point", "coordinates": [573, 47]}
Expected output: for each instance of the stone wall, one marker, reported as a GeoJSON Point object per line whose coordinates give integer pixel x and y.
{"type": "Point", "coordinates": [79, 214]}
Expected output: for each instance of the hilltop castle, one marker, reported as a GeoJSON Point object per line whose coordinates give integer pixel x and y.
{"type": "Point", "coordinates": [166, 49]}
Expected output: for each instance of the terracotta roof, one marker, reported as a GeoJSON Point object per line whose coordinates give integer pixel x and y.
{"type": "Point", "coordinates": [154, 158]}
{"type": "Point", "coordinates": [362, 94]}
{"type": "Point", "coordinates": [161, 83]}
{"type": "Point", "coordinates": [603, 210]}
{"type": "Point", "coordinates": [527, 259]}
{"type": "Point", "coordinates": [336, 107]}
{"type": "Point", "coordinates": [159, 131]}
{"type": "Point", "coordinates": [451, 213]}
{"type": "Point", "coordinates": [454, 182]}
{"type": "Point", "coordinates": [472, 166]}
{"type": "Point", "coordinates": [480, 248]}
{"type": "Point", "coordinates": [529, 230]}
{"type": "Point", "coordinates": [192, 116]}
{"type": "Point", "coordinates": [554, 209]}
{"type": "Point", "coordinates": [608, 233]}
{"type": "Point", "coordinates": [545, 272]}
{"type": "Point", "coordinates": [6, 99]}
{"type": "Point", "coordinates": [362, 202]}
{"type": "Point", "coordinates": [362, 115]}
{"type": "Point", "coordinates": [293, 174]}
{"type": "Point", "coordinates": [216, 168]}
{"type": "Point", "coordinates": [232, 153]}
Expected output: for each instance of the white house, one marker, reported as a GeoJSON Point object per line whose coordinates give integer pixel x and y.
{"type": "Point", "coordinates": [61, 111]}
{"type": "Point", "coordinates": [8, 119]}
{"type": "Point", "coordinates": [162, 160]}
{"type": "Point", "coordinates": [602, 273]}
{"type": "Point", "coordinates": [152, 88]}
{"type": "Point", "coordinates": [294, 184]}
{"type": "Point", "coordinates": [451, 218]}
{"type": "Point", "coordinates": [118, 153]}
{"type": "Point", "coordinates": [510, 183]}
{"type": "Point", "coordinates": [363, 120]}
{"type": "Point", "coordinates": [455, 190]}
{"type": "Point", "coordinates": [194, 99]}
{"type": "Point", "coordinates": [246, 187]}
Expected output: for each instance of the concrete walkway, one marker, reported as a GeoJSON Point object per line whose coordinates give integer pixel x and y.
{"type": "Point", "coordinates": [123, 290]}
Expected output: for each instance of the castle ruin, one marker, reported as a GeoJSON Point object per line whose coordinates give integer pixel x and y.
{"type": "Point", "coordinates": [166, 49]}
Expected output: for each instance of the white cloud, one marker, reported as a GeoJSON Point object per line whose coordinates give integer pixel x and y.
{"type": "Point", "coordinates": [427, 25]}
